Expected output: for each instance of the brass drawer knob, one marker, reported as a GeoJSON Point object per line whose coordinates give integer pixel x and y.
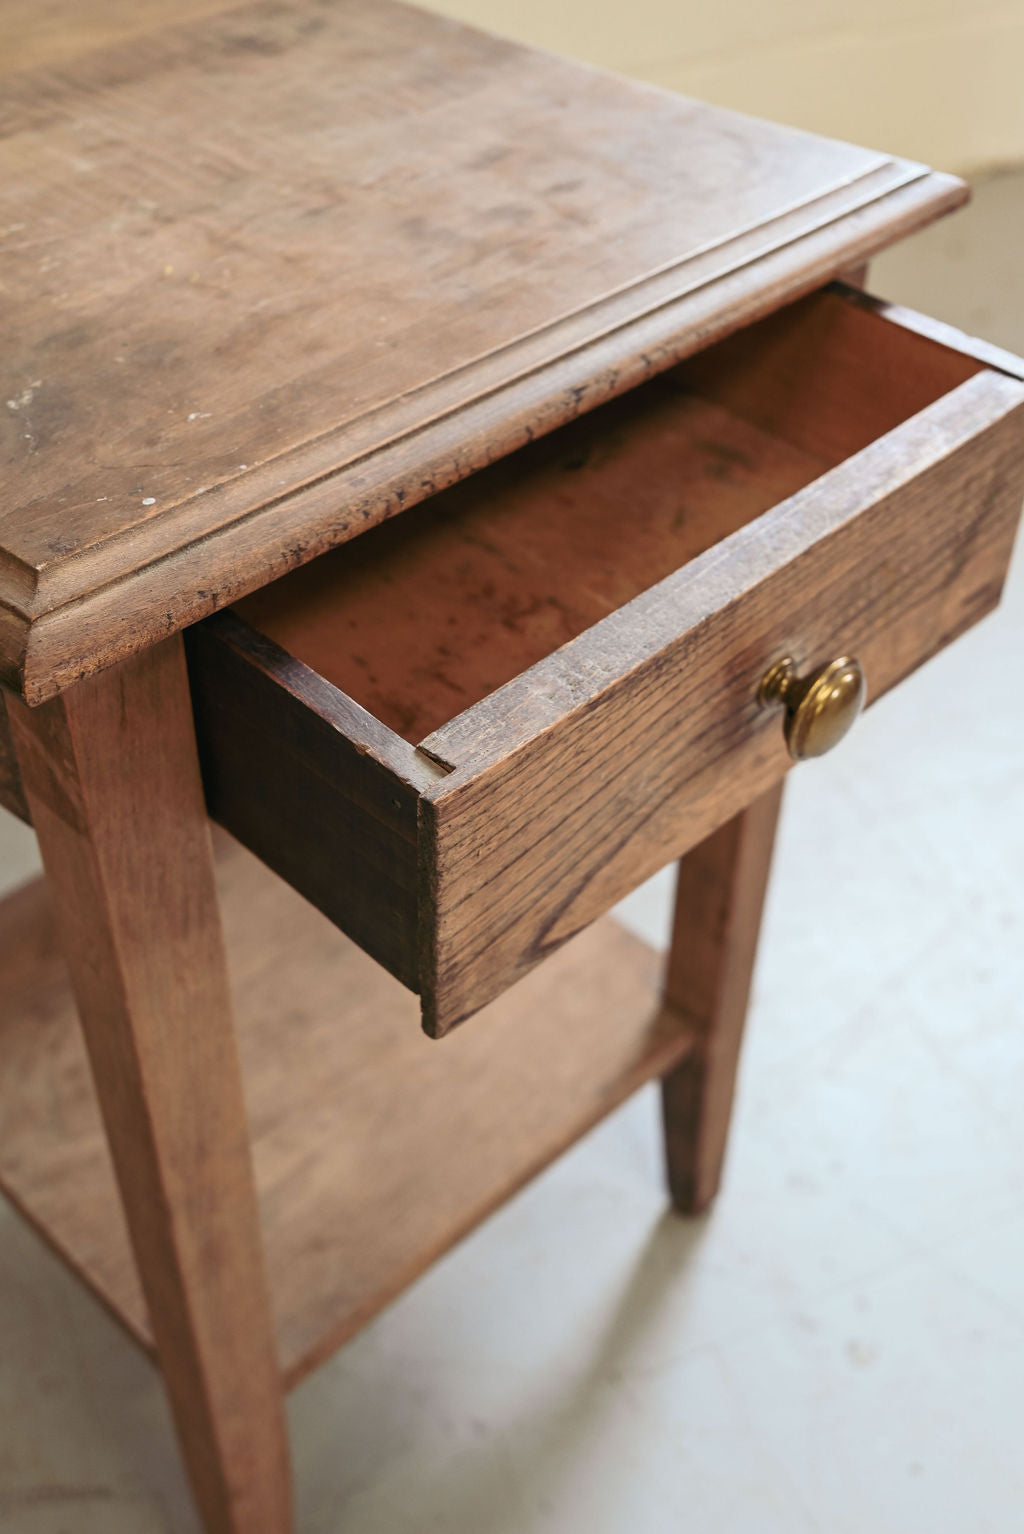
{"type": "Point", "coordinates": [820, 708]}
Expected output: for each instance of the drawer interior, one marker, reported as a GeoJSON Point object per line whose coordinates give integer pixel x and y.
{"type": "Point", "coordinates": [470, 731]}
{"type": "Point", "coordinates": [423, 616]}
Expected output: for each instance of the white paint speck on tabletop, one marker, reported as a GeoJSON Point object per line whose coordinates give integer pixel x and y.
{"type": "Point", "coordinates": [149, 500]}
{"type": "Point", "coordinates": [25, 398]}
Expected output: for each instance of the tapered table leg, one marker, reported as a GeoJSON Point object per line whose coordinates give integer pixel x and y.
{"type": "Point", "coordinates": [111, 777]}
{"type": "Point", "coordinates": [719, 897]}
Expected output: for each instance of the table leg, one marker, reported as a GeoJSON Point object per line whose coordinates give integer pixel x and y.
{"type": "Point", "coordinates": [720, 892]}
{"type": "Point", "coordinates": [111, 777]}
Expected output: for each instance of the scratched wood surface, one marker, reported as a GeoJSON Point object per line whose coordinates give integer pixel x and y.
{"type": "Point", "coordinates": [274, 271]}
{"type": "Point", "coordinates": [375, 1149]}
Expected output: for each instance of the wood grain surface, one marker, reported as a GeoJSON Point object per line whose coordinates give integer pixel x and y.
{"type": "Point", "coordinates": [274, 272]}
{"type": "Point", "coordinates": [374, 1149]}
{"type": "Point", "coordinates": [51, 34]}
{"type": "Point", "coordinates": [12, 795]}
{"type": "Point", "coordinates": [720, 891]}
{"type": "Point", "coordinates": [111, 776]}
{"type": "Point", "coordinates": [421, 618]}
{"type": "Point", "coordinates": [318, 788]}
{"type": "Point", "coordinates": [632, 740]}
{"type": "Point", "coordinates": [636, 740]}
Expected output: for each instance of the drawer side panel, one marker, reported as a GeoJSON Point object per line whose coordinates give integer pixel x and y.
{"type": "Point", "coordinates": [297, 789]}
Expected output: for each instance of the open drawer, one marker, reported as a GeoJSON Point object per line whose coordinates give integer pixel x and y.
{"type": "Point", "coordinates": [468, 733]}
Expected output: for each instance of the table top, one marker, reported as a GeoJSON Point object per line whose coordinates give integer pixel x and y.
{"type": "Point", "coordinates": [273, 271]}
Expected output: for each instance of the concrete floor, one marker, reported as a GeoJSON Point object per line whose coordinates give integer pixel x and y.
{"type": "Point", "coordinates": [840, 1345]}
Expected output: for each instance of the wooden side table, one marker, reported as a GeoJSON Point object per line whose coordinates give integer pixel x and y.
{"type": "Point", "coordinates": [643, 497]}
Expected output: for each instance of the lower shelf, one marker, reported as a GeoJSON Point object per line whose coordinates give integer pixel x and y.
{"type": "Point", "coordinates": [375, 1148]}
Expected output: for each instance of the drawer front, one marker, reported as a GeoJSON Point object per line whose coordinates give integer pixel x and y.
{"type": "Point", "coordinates": [462, 858]}
{"type": "Point", "coordinates": [577, 781]}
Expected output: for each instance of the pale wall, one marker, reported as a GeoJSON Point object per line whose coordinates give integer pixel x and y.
{"type": "Point", "coordinates": [934, 80]}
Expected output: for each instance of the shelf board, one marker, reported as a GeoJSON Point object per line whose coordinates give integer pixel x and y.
{"type": "Point", "coordinates": [375, 1148]}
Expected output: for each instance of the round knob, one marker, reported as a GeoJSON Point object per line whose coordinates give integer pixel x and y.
{"type": "Point", "coordinates": [820, 708]}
